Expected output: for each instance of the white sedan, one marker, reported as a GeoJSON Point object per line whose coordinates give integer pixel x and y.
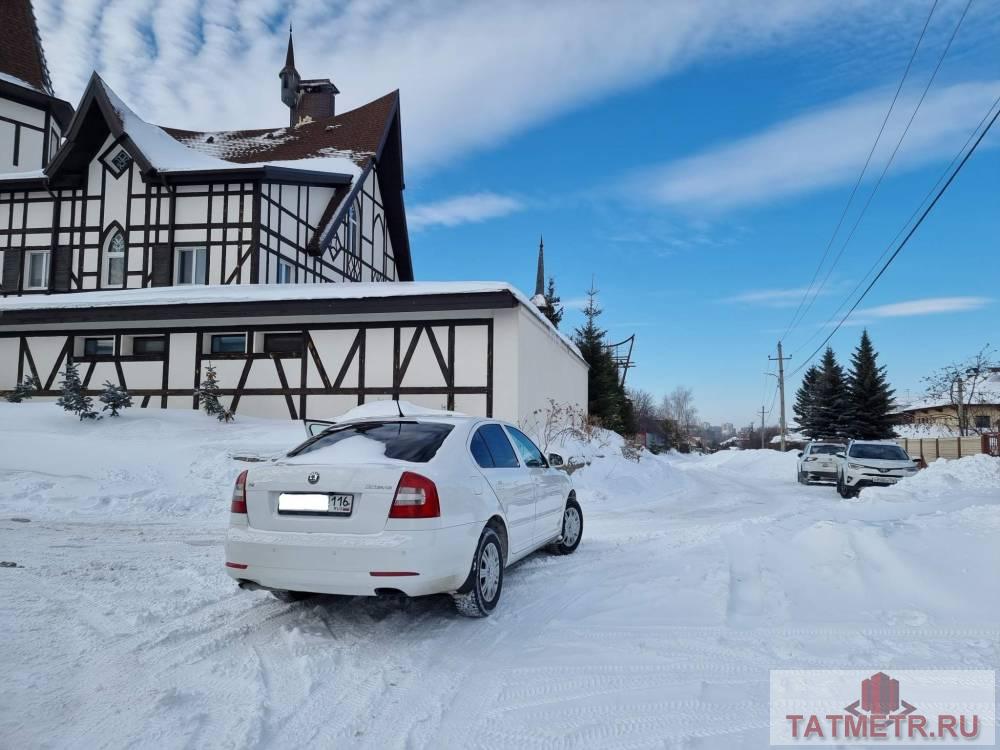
{"type": "Point", "coordinates": [422, 505]}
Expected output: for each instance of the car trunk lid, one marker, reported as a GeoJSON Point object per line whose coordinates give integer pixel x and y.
{"type": "Point", "coordinates": [370, 486]}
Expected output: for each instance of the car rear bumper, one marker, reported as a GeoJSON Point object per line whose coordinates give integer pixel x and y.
{"type": "Point", "coordinates": [823, 473]}
{"type": "Point", "coordinates": [414, 562]}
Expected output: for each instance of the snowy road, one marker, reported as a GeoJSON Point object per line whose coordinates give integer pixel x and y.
{"type": "Point", "coordinates": [695, 577]}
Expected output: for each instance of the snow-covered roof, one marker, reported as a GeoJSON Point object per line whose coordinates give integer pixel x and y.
{"type": "Point", "coordinates": [169, 155]}
{"type": "Point", "coordinates": [791, 437]}
{"type": "Point", "coordinates": [217, 293]}
{"type": "Point", "coordinates": [7, 78]}
{"type": "Point", "coordinates": [987, 392]}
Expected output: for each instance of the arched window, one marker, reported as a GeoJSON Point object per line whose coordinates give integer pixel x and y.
{"type": "Point", "coordinates": [114, 259]}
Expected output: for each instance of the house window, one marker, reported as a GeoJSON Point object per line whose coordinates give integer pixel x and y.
{"type": "Point", "coordinates": [229, 343]}
{"type": "Point", "coordinates": [99, 347]}
{"type": "Point", "coordinates": [982, 422]}
{"type": "Point", "coordinates": [149, 344]}
{"type": "Point", "coordinates": [190, 266]}
{"type": "Point", "coordinates": [283, 343]}
{"type": "Point", "coordinates": [36, 269]}
{"type": "Point", "coordinates": [284, 272]}
{"type": "Point", "coordinates": [114, 259]}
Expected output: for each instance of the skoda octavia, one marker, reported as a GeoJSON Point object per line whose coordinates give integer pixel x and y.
{"type": "Point", "coordinates": [421, 505]}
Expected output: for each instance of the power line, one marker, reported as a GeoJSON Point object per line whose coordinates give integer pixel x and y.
{"type": "Point", "coordinates": [912, 216]}
{"type": "Point", "coordinates": [864, 169]}
{"type": "Point", "coordinates": [892, 157]}
{"type": "Point", "coordinates": [906, 239]}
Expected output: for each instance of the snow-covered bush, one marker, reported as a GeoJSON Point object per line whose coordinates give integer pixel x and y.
{"type": "Point", "coordinates": [24, 390]}
{"type": "Point", "coordinates": [73, 399]}
{"type": "Point", "coordinates": [208, 394]}
{"type": "Point", "coordinates": [115, 398]}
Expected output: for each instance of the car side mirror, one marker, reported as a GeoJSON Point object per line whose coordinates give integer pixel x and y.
{"type": "Point", "coordinates": [555, 460]}
{"type": "Point", "coordinates": [800, 454]}
{"type": "Point", "coordinates": [841, 455]}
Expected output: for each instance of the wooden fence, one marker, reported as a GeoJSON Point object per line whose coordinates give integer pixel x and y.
{"type": "Point", "coordinates": [931, 449]}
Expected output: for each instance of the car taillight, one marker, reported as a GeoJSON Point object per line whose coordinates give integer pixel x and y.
{"type": "Point", "coordinates": [416, 497]}
{"type": "Point", "coordinates": [239, 504]}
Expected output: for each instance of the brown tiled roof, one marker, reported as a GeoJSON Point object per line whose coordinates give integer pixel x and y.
{"type": "Point", "coordinates": [357, 133]}
{"type": "Point", "coordinates": [21, 53]}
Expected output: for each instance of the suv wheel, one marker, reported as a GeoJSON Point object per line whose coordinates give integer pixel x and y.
{"type": "Point", "coordinates": [480, 593]}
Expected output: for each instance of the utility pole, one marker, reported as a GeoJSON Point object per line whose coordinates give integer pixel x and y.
{"type": "Point", "coordinates": [781, 389]}
{"type": "Point", "coordinates": [762, 426]}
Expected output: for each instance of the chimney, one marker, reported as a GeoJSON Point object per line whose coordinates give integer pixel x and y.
{"type": "Point", "coordinates": [316, 100]}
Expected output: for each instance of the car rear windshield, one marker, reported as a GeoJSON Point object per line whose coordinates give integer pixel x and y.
{"type": "Point", "coordinates": [879, 452]}
{"type": "Point", "coordinates": [405, 441]}
{"type": "Point", "coordinates": [828, 450]}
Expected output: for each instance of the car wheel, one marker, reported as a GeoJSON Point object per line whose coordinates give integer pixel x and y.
{"type": "Point", "coordinates": [841, 488]}
{"type": "Point", "coordinates": [803, 478]}
{"type": "Point", "coordinates": [480, 593]}
{"type": "Point", "coordinates": [572, 529]}
{"type": "Point", "coordinates": [289, 596]}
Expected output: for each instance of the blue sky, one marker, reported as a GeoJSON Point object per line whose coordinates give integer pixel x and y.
{"type": "Point", "coordinates": [693, 157]}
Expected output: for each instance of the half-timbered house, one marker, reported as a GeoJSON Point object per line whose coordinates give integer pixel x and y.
{"type": "Point", "coordinates": [280, 255]}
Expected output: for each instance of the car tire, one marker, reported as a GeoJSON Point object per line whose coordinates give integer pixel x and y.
{"type": "Point", "coordinates": [842, 488]}
{"type": "Point", "coordinates": [289, 596]}
{"type": "Point", "coordinates": [803, 478]}
{"type": "Point", "coordinates": [572, 529]}
{"type": "Point", "coordinates": [480, 593]}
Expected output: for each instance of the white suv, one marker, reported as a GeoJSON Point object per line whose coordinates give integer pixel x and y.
{"type": "Point", "coordinates": [871, 463]}
{"type": "Point", "coordinates": [819, 461]}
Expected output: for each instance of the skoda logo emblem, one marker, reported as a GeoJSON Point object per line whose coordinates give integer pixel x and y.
{"type": "Point", "coordinates": [313, 477]}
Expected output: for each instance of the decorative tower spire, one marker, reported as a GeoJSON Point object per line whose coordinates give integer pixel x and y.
{"type": "Point", "coordinates": [539, 298]}
{"type": "Point", "coordinates": [290, 80]}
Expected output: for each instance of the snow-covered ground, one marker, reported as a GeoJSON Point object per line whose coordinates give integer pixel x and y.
{"type": "Point", "coordinates": [696, 576]}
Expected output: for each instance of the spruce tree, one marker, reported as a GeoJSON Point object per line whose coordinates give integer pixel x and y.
{"type": "Point", "coordinates": [25, 389]}
{"type": "Point", "coordinates": [208, 393]}
{"type": "Point", "coordinates": [869, 395]}
{"type": "Point", "coordinates": [832, 404]}
{"type": "Point", "coordinates": [805, 403]}
{"type": "Point", "coordinates": [553, 311]}
{"type": "Point", "coordinates": [603, 390]}
{"type": "Point", "coordinates": [115, 398]}
{"type": "Point", "coordinates": [73, 399]}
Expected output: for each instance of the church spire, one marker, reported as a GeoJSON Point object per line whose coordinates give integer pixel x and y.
{"type": "Point", "coordinates": [540, 274]}
{"type": "Point", "coordinates": [538, 299]}
{"type": "Point", "coordinates": [290, 80]}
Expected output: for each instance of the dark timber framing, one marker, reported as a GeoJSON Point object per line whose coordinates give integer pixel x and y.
{"type": "Point", "coordinates": [294, 380]}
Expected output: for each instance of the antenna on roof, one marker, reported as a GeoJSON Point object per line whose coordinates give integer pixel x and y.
{"type": "Point", "coordinates": [396, 402]}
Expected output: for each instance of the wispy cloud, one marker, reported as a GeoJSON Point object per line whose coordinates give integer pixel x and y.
{"type": "Point", "coordinates": [462, 209]}
{"type": "Point", "coordinates": [926, 306]}
{"type": "Point", "coordinates": [821, 148]}
{"type": "Point", "coordinates": [775, 297]}
{"type": "Point", "coordinates": [472, 73]}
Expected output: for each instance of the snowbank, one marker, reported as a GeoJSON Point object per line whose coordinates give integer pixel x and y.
{"type": "Point", "coordinates": [142, 464]}
{"type": "Point", "coordinates": [944, 479]}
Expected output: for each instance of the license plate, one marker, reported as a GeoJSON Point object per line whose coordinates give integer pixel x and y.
{"type": "Point", "coordinates": [315, 504]}
{"type": "Point", "coordinates": [885, 480]}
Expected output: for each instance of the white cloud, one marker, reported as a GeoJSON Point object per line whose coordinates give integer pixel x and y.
{"type": "Point", "coordinates": [927, 306]}
{"type": "Point", "coordinates": [462, 209]}
{"type": "Point", "coordinates": [822, 148]}
{"type": "Point", "coordinates": [471, 72]}
{"type": "Point", "coordinates": [771, 297]}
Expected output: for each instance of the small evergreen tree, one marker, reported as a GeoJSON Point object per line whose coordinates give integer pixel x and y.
{"type": "Point", "coordinates": [604, 392]}
{"type": "Point", "coordinates": [25, 389]}
{"type": "Point", "coordinates": [115, 398]}
{"type": "Point", "coordinates": [869, 395]}
{"type": "Point", "coordinates": [208, 393]}
{"type": "Point", "coordinates": [805, 403]}
{"type": "Point", "coordinates": [553, 311]}
{"type": "Point", "coordinates": [831, 417]}
{"type": "Point", "coordinates": [73, 399]}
